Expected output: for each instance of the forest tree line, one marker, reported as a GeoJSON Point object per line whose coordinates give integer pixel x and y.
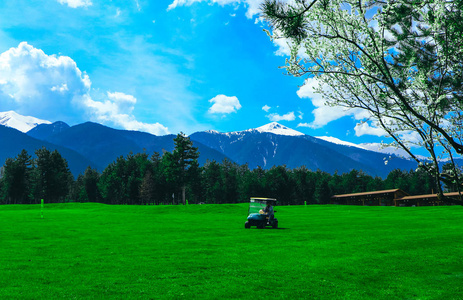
{"type": "Point", "coordinates": [161, 179]}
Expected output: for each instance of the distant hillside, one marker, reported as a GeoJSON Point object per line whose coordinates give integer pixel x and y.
{"type": "Point", "coordinates": [267, 149]}
{"type": "Point", "coordinates": [43, 131]}
{"type": "Point", "coordinates": [269, 145]}
{"type": "Point", "coordinates": [104, 144]}
{"type": "Point", "coordinates": [12, 142]}
{"type": "Point", "coordinates": [381, 162]}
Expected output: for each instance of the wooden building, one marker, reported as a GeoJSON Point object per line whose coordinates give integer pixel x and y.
{"type": "Point", "coordinates": [424, 200]}
{"type": "Point", "coordinates": [395, 197]}
{"type": "Point", "coordinates": [381, 198]}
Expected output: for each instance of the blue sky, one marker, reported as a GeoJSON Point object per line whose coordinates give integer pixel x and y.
{"type": "Point", "coordinates": [161, 66]}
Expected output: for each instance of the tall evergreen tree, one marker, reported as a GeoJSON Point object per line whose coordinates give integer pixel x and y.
{"type": "Point", "coordinates": [77, 192]}
{"type": "Point", "coordinates": [322, 193]}
{"type": "Point", "coordinates": [279, 184]}
{"type": "Point", "coordinates": [53, 175]}
{"type": "Point", "coordinates": [229, 174]}
{"type": "Point", "coordinates": [148, 189]}
{"type": "Point", "coordinates": [212, 182]}
{"type": "Point", "coordinates": [185, 158]}
{"type": "Point", "coordinates": [304, 186]}
{"type": "Point", "coordinates": [90, 184]}
{"type": "Point", "coordinates": [111, 183]}
{"type": "Point", "coordinates": [17, 179]}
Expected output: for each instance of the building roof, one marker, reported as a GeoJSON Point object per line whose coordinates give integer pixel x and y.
{"type": "Point", "coordinates": [369, 193]}
{"type": "Point", "coordinates": [428, 196]}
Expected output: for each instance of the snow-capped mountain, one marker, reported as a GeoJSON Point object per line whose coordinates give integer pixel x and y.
{"type": "Point", "coordinates": [375, 147]}
{"type": "Point", "coordinates": [341, 142]}
{"type": "Point", "coordinates": [22, 123]}
{"type": "Point", "coordinates": [273, 127]}
{"type": "Point", "coordinates": [275, 145]}
{"type": "Point", "coordinates": [279, 129]}
{"type": "Point", "coordinates": [266, 146]}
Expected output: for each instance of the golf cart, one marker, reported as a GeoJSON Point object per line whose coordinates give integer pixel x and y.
{"type": "Point", "coordinates": [257, 216]}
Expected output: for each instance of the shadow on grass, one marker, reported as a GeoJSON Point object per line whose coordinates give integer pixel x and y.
{"type": "Point", "coordinates": [279, 228]}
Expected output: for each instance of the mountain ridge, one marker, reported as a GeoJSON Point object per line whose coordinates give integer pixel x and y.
{"type": "Point", "coordinates": [266, 146]}
{"type": "Point", "coordinates": [104, 144]}
{"type": "Point", "coordinates": [13, 141]}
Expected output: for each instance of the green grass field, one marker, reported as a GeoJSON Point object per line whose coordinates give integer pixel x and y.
{"type": "Point", "coordinates": [92, 251]}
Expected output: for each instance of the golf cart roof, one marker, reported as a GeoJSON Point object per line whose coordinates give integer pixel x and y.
{"type": "Point", "coordinates": [254, 199]}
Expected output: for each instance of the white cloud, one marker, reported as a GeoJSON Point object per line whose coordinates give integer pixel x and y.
{"type": "Point", "coordinates": [76, 3]}
{"type": "Point", "coordinates": [304, 125]}
{"type": "Point", "coordinates": [33, 83]}
{"type": "Point", "coordinates": [365, 129]}
{"type": "Point", "coordinates": [323, 114]}
{"type": "Point", "coordinates": [253, 6]}
{"type": "Point", "coordinates": [117, 109]}
{"type": "Point", "coordinates": [123, 101]}
{"type": "Point", "coordinates": [53, 87]}
{"type": "Point", "coordinates": [411, 137]}
{"type": "Point", "coordinates": [266, 108]}
{"type": "Point", "coordinates": [224, 105]}
{"type": "Point", "coordinates": [286, 117]}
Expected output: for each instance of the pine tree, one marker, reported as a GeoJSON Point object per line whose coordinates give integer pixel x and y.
{"type": "Point", "coordinates": [148, 189]}
{"type": "Point", "coordinates": [185, 158]}
{"type": "Point", "coordinates": [17, 179]}
{"type": "Point", "coordinates": [54, 178]}
{"type": "Point", "coordinates": [90, 184]}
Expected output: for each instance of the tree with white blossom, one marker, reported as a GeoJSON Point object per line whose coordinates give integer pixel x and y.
{"type": "Point", "coordinates": [399, 60]}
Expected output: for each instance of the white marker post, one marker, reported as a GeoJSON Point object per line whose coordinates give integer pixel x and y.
{"type": "Point", "coordinates": [41, 208]}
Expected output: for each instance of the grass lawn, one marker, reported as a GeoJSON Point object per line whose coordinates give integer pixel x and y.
{"type": "Point", "coordinates": [92, 251]}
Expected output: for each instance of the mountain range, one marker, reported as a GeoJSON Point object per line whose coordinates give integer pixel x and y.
{"type": "Point", "coordinates": [95, 145]}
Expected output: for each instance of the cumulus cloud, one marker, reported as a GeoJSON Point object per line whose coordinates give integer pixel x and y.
{"type": "Point", "coordinates": [224, 105]}
{"type": "Point", "coordinates": [41, 85]}
{"type": "Point", "coordinates": [286, 117]}
{"type": "Point", "coordinates": [76, 3]}
{"type": "Point", "coordinates": [323, 114]}
{"type": "Point", "coordinates": [365, 129]}
{"type": "Point", "coordinates": [266, 108]}
{"type": "Point", "coordinates": [53, 88]}
{"type": "Point", "coordinates": [412, 137]}
{"type": "Point", "coordinates": [117, 109]}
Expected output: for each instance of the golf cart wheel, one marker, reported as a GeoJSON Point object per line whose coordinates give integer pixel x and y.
{"type": "Point", "coordinates": [275, 225]}
{"type": "Point", "coordinates": [247, 225]}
